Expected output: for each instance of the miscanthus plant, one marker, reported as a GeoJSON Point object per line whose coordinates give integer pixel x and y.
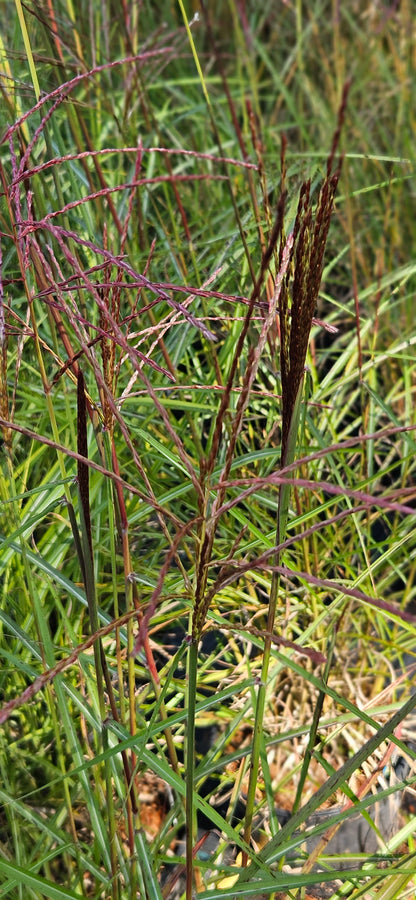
{"type": "Point", "coordinates": [207, 543]}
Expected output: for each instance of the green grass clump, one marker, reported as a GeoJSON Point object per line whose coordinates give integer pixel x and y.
{"type": "Point", "coordinates": [207, 548]}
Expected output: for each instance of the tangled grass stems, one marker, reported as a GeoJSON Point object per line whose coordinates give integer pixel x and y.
{"type": "Point", "coordinates": [154, 256]}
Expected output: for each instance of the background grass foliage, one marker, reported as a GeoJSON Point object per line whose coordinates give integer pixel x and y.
{"type": "Point", "coordinates": [159, 279]}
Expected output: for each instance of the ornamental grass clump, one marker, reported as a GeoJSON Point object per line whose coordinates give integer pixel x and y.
{"type": "Point", "coordinates": [205, 553]}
